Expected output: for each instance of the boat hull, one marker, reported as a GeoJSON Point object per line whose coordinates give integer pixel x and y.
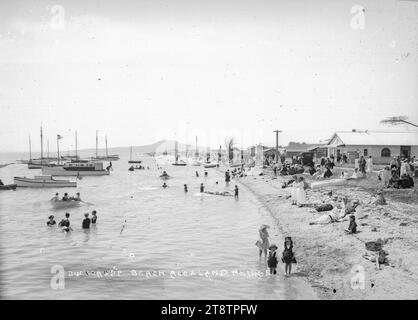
{"type": "Point", "coordinates": [60, 204]}
{"type": "Point", "coordinates": [62, 172]}
{"type": "Point", "coordinates": [210, 166]}
{"type": "Point", "coordinates": [134, 161]}
{"type": "Point", "coordinates": [8, 187]}
{"type": "Point", "coordinates": [43, 183]}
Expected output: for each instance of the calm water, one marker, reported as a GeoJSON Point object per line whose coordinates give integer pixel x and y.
{"type": "Point", "coordinates": [166, 234]}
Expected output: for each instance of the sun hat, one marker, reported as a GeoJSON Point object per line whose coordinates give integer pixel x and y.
{"type": "Point", "coordinates": [273, 247]}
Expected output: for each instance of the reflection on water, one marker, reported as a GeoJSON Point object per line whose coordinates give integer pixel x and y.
{"type": "Point", "coordinates": [160, 243]}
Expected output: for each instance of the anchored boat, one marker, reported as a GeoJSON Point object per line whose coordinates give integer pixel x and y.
{"type": "Point", "coordinates": [8, 187]}
{"type": "Point", "coordinates": [43, 182]}
{"type": "Point", "coordinates": [77, 169]}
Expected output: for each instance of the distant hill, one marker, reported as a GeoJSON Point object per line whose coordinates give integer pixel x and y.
{"type": "Point", "coordinates": [158, 147]}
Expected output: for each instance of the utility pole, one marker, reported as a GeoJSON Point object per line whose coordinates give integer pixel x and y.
{"type": "Point", "coordinates": [277, 144]}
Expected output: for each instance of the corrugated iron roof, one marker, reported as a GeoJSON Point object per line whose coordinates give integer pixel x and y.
{"type": "Point", "coordinates": [373, 138]}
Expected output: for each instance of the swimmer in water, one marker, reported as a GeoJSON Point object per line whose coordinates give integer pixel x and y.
{"type": "Point", "coordinates": [94, 217]}
{"type": "Point", "coordinates": [65, 223]}
{"type": "Point", "coordinates": [202, 188]}
{"type": "Point", "coordinates": [197, 174]}
{"type": "Point", "coordinates": [65, 197]}
{"type": "Point", "coordinates": [56, 198]}
{"type": "Point", "coordinates": [236, 192]}
{"type": "Point", "coordinates": [206, 173]}
{"type": "Point", "coordinates": [86, 221]}
{"type": "Point", "coordinates": [51, 221]}
{"type": "Point", "coordinates": [165, 185]}
{"type": "Point", "coordinates": [185, 188]}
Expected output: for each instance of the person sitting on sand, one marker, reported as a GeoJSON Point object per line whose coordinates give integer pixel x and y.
{"type": "Point", "coordinates": [272, 259]}
{"type": "Point", "coordinates": [328, 172]}
{"type": "Point", "coordinates": [263, 244]}
{"type": "Point", "coordinates": [288, 257]}
{"type": "Point", "coordinates": [55, 198]}
{"type": "Point", "coordinates": [380, 258]}
{"type": "Point", "coordinates": [352, 228]}
{"type": "Point", "coordinates": [51, 221]}
{"type": "Point", "coordinates": [336, 215]}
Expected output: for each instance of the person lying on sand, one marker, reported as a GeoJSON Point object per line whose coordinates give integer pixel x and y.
{"type": "Point", "coordinates": [336, 215]}
{"type": "Point", "coordinates": [379, 258]}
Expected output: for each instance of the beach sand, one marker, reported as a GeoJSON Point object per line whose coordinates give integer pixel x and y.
{"type": "Point", "coordinates": [328, 258]}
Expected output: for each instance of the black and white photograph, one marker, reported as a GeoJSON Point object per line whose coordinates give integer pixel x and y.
{"type": "Point", "coordinates": [208, 150]}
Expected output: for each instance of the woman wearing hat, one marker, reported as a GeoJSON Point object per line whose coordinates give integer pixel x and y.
{"type": "Point", "coordinates": [51, 221]}
{"type": "Point", "coordinates": [263, 244]}
{"type": "Point", "coordinates": [288, 257]}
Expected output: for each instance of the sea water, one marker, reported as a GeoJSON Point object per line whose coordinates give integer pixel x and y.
{"type": "Point", "coordinates": [149, 242]}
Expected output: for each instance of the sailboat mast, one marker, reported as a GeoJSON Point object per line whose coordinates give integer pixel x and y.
{"type": "Point", "coordinates": [30, 150]}
{"type": "Point", "coordinates": [130, 157]}
{"type": "Point", "coordinates": [47, 149]}
{"type": "Point", "coordinates": [106, 146]}
{"type": "Point", "coordinates": [42, 146]}
{"type": "Point", "coordinates": [76, 151]}
{"type": "Point", "coordinates": [97, 142]}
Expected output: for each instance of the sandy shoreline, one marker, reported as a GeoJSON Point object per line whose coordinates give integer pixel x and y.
{"type": "Point", "coordinates": [328, 258]}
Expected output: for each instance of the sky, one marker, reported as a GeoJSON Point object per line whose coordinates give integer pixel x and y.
{"type": "Point", "coordinates": [144, 70]}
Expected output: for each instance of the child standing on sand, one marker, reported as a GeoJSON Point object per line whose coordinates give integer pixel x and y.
{"type": "Point", "coordinates": [272, 259]}
{"type": "Point", "coordinates": [288, 256]}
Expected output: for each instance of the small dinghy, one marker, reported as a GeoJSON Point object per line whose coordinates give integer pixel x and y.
{"type": "Point", "coordinates": [210, 165]}
{"type": "Point", "coordinates": [61, 204]}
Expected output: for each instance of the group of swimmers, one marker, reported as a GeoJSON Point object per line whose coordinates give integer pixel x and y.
{"type": "Point", "coordinates": [64, 224]}
{"type": "Point", "coordinates": [202, 190]}
{"type": "Point", "coordinates": [66, 197]}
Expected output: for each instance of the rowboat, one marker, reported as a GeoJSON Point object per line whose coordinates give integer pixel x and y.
{"type": "Point", "coordinates": [210, 165]}
{"type": "Point", "coordinates": [61, 204]}
{"type": "Point", "coordinates": [43, 182]}
{"type": "Point", "coordinates": [8, 187]}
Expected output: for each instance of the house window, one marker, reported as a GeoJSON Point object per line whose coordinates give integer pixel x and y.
{"type": "Point", "coordinates": [365, 152]}
{"type": "Point", "coordinates": [385, 152]}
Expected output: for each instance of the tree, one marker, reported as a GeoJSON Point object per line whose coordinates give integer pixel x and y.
{"type": "Point", "coordinates": [397, 121]}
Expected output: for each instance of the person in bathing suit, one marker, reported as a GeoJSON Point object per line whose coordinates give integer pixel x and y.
{"type": "Point", "coordinates": [202, 188]}
{"type": "Point", "coordinates": [55, 198]}
{"type": "Point", "coordinates": [94, 217]}
{"type": "Point", "coordinates": [65, 223]}
{"type": "Point", "coordinates": [86, 222]}
{"type": "Point", "coordinates": [51, 221]}
{"type": "Point", "coordinates": [165, 185]}
{"type": "Point", "coordinates": [236, 191]}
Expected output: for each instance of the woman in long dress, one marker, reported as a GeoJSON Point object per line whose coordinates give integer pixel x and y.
{"type": "Point", "coordinates": [300, 192]}
{"type": "Point", "coordinates": [370, 164]}
{"type": "Point", "coordinates": [293, 190]}
{"type": "Point", "coordinates": [263, 244]}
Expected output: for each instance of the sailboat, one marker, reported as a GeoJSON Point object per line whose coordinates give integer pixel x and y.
{"type": "Point", "coordinates": [177, 162]}
{"type": "Point", "coordinates": [107, 157]}
{"type": "Point", "coordinates": [40, 162]}
{"type": "Point", "coordinates": [130, 158]}
{"type": "Point", "coordinates": [196, 162]}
